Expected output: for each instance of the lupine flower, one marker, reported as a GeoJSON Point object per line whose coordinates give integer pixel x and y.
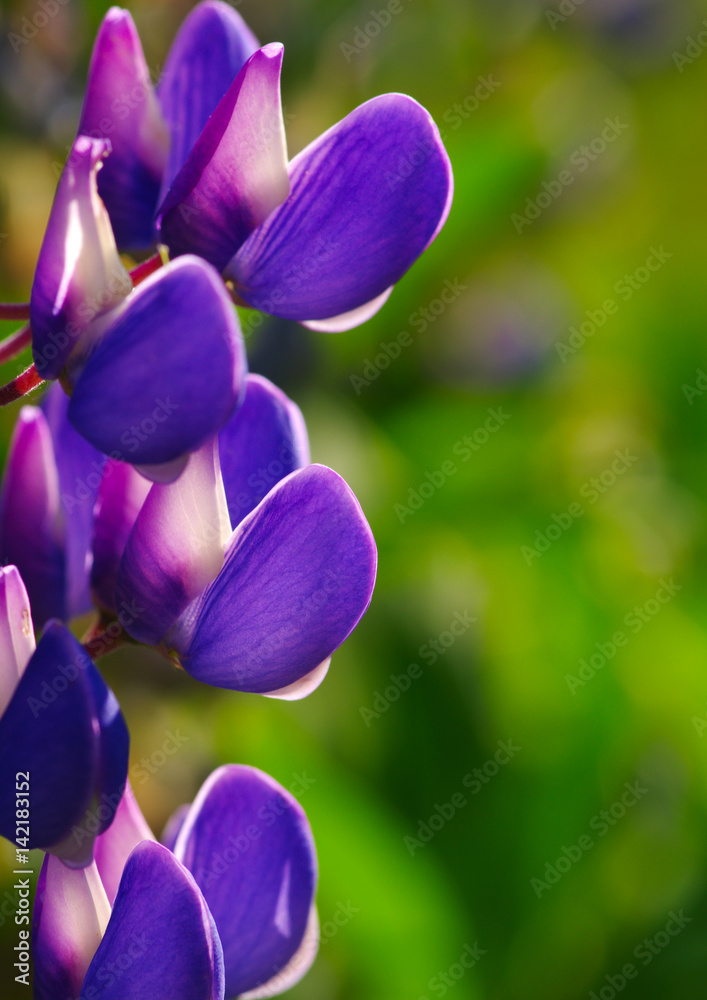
{"type": "Point", "coordinates": [153, 372]}
{"type": "Point", "coordinates": [321, 239]}
{"type": "Point", "coordinates": [243, 861]}
{"type": "Point", "coordinates": [60, 724]}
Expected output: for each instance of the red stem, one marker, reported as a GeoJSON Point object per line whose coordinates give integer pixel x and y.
{"type": "Point", "coordinates": [20, 386]}
{"type": "Point", "coordinates": [145, 269]}
{"type": "Point", "coordinates": [15, 343]}
{"type": "Point", "coordinates": [14, 310]}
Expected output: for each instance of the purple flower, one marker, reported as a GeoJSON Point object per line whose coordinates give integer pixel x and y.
{"type": "Point", "coordinates": [321, 239]}
{"type": "Point", "coordinates": [62, 727]}
{"type": "Point", "coordinates": [230, 903]}
{"type": "Point", "coordinates": [145, 387]}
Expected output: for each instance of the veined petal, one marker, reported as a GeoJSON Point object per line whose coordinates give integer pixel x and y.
{"type": "Point", "coordinates": [366, 199]}
{"type": "Point", "coordinates": [113, 847]}
{"type": "Point", "coordinates": [62, 701]}
{"type": "Point", "coordinates": [168, 373]}
{"type": "Point", "coordinates": [70, 916]}
{"type": "Point", "coordinates": [236, 173]}
{"type": "Point", "coordinates": [159, 920]}
{"type": "Point", "coordinates": [16, 633]}
{"type": "Point", "coordinates": [31, 524]}
{"type": "Point", "coordinates": [176, 547]}
{"type": "Point", "coordinates": [299, 964]}
{"type": "Point", "coordinates": [80, 468]}
{"type": "Point", "coordinates": [298, 576]}
{"type": "Point", "coordinates": [79, 274]}
{"type": "Point", "coordinates": [248, 844]}
{"type": "Point", "coordinates": [264, 441]}
{"type": "Point", "coordinates": [209, 51]}
{"type": "Point", "coordinates": [121, 105]}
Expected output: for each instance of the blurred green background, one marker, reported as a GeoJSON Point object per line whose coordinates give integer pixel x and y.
{"type": "Point", "coordinates": [580, 605]}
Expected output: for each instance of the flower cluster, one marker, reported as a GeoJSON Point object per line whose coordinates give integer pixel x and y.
{"type": "Point", "coordinates": [165, 489]}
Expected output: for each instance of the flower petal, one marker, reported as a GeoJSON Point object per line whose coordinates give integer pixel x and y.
{"type": "Point", "coordinates": [79, 274]}
{"type": "Point", "coordinates": [16, 633]}
{"type": "Point", "coordinates": [173, 826]}
{"type": "Point", "coordinates": [209, 51]}
{"type": "Point", "coordinates": [265, 440]}
{"type": "Point", "coordinates": [348, 320]}
{"type": "Point", "coordinates": [121, 495]}
{"type": "Point", "coordinates": [80, 468]}
{"type": "Point", "coordinates": [298, 576]}
{"type": "Point", "coordinates": [176, 547]}
{"type": "Point", "coordinates": [168, 373]}
{"type": "Point", "coordinates": [121, 105]}
{"type": "Point", "coordinates": [162, 924]}
{"type": "Point", "coordinates": [249, 846]}
{"type": "Point", "coordinates": [236, 174]}
{"type": "Point", "coordinates": [31, 530]}
{"type": "Point", "coordinates": [366, 199]}
{"type": "Point", "coordinates": [113, 847]}
{"type": "Point", "coordinates": [299, 964]}
{"type": "Point", "coordinates": [70, 916]}
{"type": "Point", "coordinates": [62, 701]}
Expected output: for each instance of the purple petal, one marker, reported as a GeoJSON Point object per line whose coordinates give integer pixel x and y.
{"type": "Point", "coordinates": [299, 964]}
{"type": "Point", "coordinates": [31, 527]}
{"type": "Point", "coordinates": [173, 826]}
{"type": "Point", "coordinates": [176, 547]}
{"type": "Point", "coordinates": [298, 576]}
{"type": "Point", "coordinates": [249, 846]}
{"type": "Point", "coordinates": [168, 372]}
{"type": "Point", "coordinates": [264, 441]}
{"type": "Point", "coordinates": [236, 174]}
{"type": "Point", "coordinates": [121, 495]}
{"type": "Point", "coordinates": [16, 633]}
{"type": "Point", "coordinates": [121, 105]}
{"type": "Point", "coordinates": [348, 320]}
{"type": "Point", "coordinates": [79, 274]}
{"type": "Point", "coordinates": [70, 916]}
{"type": "Point", "coordinates": [113, 847]}
{"type": "Point", "coordinates": [80, 468]}
{"type": "Point", "coordinates": [62, 702]}
{"type": "Point", "coordinates": [209, 51]}
{"type": "Point", "coordinates": [366, 199]}
{"type": "Point", "coordinates": [161, 923]}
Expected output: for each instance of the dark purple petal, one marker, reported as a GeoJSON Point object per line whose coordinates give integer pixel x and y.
{"type": "Point", "coordinates": [79, 274]}
{"type": "Point", "coordinates": [69, 917]}
{"type": "Point", "coordinates": [366, 199]}
{"type": "Point", "coordinates": [298, 576]}
{"type": "Point", "coordinates": [176, 547]}
{"type": "Point", "coordinates": [121, 105]}
{"type": "Point", "coordinates": [236, 174]}
{"type": "Point", "coordinates": [114, 846]}
{"type": "Point", "coordinates": [31, 529]}
{"type": "Point", "coordinates": [209, 51]}
{"type": "Point", "coordinates": [173, 826]}
{"type": "Point", "coordinates": [264, 441]}
{"type": "Point", "coordinates": [248, 844]}
{"type": "Point", "coordinates": [16, 633]}
{"type": "Point", "coordinates": [62, 702]}
{"type": "Point", "coordinates": [121, 495]}
{"type": "Point", "coordinates": [169, 371]}
{"type": "Point", "coordinates": [159, 944]}
{"type": "Point", "coordinates": [80, 467]}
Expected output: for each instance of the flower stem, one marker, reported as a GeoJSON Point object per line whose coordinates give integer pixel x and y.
{"type": "Point", "coordinates": [20, 386]}
{"type": "Point", "coordinates": [15, 343]}
{"type": "Point", "coordinates": [14, 310]}
{"type": "Point", "coordinates": [103, 638]}
{"type": "Point", "coordinates": [145, 269]}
